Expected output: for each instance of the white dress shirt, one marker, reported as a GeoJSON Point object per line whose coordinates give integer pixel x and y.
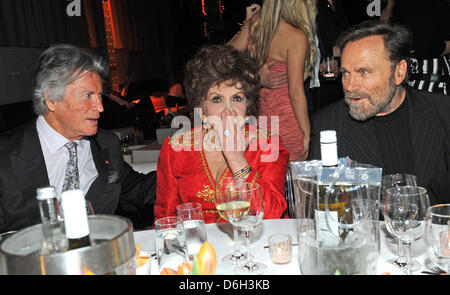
{"type": "Point", "coordinates": [56, 157]}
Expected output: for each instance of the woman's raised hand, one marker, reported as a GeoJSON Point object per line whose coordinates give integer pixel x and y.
{"type": "Point", "coordinates": [251, 10]}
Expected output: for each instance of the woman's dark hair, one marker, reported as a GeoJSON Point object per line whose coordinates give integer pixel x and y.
{"type": "Point", "coordinates": [215, 64]}
{"type": "Point", "coordinates": [397, 39]}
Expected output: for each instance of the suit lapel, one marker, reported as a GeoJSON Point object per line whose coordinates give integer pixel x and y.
{"type": "Point", "coordinates": [425, 137]}
{"type": "Point", "coordinates": [100, 157]}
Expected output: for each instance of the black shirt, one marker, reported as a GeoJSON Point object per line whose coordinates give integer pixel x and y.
{"type": "Point", "coordinates": [394, 140]}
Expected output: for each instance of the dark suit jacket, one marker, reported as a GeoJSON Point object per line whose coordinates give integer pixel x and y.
{"type": "Point", "coordinates": [430, 134]}
{"type": "Point", "coordinates": [22, 170]}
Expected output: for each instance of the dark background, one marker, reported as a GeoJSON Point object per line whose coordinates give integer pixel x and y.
{"type": "Point", "coordinates": [156, 38]}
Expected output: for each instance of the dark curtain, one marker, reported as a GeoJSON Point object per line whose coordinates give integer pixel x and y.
{"type": "Point", "coordinates": [143, 24]}
{"type": "Point", "coordinates": [40, 23]}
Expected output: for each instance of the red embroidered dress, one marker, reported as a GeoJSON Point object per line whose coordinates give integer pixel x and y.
{"type": "Point", "coordinates": [183, 174]}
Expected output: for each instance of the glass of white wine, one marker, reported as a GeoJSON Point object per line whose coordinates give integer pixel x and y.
{"type": "Point", "coordinates": [223, 184]}
{"type": "Point", "coordinates": [245, 210]}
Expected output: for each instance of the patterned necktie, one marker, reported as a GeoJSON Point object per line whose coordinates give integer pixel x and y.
{"type": "Point", "coordinates": [71, 178]}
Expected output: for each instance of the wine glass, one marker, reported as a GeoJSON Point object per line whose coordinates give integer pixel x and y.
{"type": "Point", "coordinates": [405, 214]}
{"type": "Point", "coordinates": [437, 236]}
{"type": "Point", "coordinates": [245, 210]}
{"type": "Point", "coordinates": [395, 180]}
{"type": "Point", "coordinates": [223, 184]}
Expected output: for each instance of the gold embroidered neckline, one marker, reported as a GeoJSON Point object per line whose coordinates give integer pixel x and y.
{"type": "Point", "coordinates": [208, 170]}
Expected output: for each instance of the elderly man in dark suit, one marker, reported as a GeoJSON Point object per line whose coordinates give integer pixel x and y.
{"type": "Point", "coordinates": [64, 147]}
{"type": "Point", "coordinates": [383, 122]}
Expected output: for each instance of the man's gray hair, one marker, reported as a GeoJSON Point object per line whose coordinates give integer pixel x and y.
{"type": "Point", "coordinates": [59, 66]}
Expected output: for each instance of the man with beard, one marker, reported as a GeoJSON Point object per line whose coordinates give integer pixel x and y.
{"type": "Point", "coordinates": [382, 121]}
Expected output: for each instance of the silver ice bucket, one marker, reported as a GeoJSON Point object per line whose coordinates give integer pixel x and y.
{"type": "Point", "coordinates": [112, 251]}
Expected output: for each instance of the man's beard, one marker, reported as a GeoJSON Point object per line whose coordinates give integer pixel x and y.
{"type": "Point", "coordinates": [380, 101]}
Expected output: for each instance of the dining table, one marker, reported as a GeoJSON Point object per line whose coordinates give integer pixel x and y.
{"type": "Point", "coordinates": [220, 235]}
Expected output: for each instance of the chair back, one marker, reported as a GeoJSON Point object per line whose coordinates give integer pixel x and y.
{"type": "Point", "coordinates": [289, 194]}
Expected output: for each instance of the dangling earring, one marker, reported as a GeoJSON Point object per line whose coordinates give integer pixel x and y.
{"type": "Point", "coordinates": [204, 121]}
{"type": "Point", "coordinates": [204, 124]}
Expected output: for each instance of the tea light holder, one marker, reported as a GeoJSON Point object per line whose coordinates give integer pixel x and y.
{"type": "Point", "coordinates": [444, 237]}
{"type": "Point", "coordinates": [280, 248]}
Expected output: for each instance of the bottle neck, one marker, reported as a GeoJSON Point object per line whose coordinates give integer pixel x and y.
{"type": "Point", "coordinates": [49, 210]}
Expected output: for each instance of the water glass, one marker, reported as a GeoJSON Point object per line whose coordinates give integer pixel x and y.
{"type": "Point", "coordinates": [437, 236]}
{"type": "Point", "coordinates": [170, 242]}
{"type": "Point", "coordinates": [194, 226]}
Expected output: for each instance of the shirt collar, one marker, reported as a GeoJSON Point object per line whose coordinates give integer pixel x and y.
{"type": "Point", "coordinates": [52, 139]}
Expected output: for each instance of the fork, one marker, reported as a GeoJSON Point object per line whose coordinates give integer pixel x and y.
{"type": "Point", "coordinates": [433, 267]}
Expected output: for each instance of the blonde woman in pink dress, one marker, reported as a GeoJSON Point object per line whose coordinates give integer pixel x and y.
{"type": "Point", "coordinates": [280, 36]}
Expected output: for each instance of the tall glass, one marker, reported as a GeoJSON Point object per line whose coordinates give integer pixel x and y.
{"type": "Point", "coordinates": [245, 210]}
{"type": "Point", "coordinates": [223, 184]}
{"type": "Point", "coordinates": [395, 180]}
{"type": "Point", "coordinates": [405, 214]}
{"type": "Point", "coordinates": [170, 242]}
{"type": "Point", "coordinates": [437, 237]}
{"type": "Point", "coordinates": [194, 226]}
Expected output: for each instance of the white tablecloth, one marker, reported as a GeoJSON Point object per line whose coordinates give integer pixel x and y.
{"type": "Point", "coordinates": [144, 167]}
{"type": "Point", "coordinates": [221, 237]}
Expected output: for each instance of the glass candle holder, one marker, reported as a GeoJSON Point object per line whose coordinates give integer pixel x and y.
{"type": "Point", "coordinates": [280, 248]}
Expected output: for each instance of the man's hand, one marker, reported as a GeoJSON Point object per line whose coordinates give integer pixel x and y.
{"type": "Point", "coordinates": [272, 80]}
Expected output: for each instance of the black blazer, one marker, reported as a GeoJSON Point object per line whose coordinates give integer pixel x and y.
{"type": "Point", "coordinates": [22, 170]}
{"type": "Point", "coordinates": [429, 116]}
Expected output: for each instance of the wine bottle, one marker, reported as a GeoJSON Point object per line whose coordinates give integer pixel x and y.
{"type": "Point", "coordinates": [328, 148]}
{"type": "Point", "coordinates": [330, 210]}
{"type": "Point", "coordinates": [75, 219]}
{"type": "Point", "coordinates": [53, 234]}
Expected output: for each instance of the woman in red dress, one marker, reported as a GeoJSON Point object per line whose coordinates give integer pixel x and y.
{"type": "Point", "coordinates": [280, 36]}
{"type": "Point", "coordinates": [222, 84]}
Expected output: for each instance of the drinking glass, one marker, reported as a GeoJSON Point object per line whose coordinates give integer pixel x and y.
{"type": "Point", "coordinates": [245, 210]}
{"type": "Point", "coordinates": [395, 180]}
{"type": "Point", "coordinates": [223, 184]}
{"type": "Point", "coordinates": [170, 242]}
{"type": "Point", "coordinates": [405, 214]}
{"type": "Point", "coordinates": [89, 208]}
{"type": "Point", "coordinates": [437, 236]}
{"type": "Point", "coordinates": [329, 68]}
{"type": "Point", "coordinates": [194, 226]}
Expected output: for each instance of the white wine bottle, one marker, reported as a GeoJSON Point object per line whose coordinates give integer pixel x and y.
{"type": "Point", "coordinates": [53, 234]}
{"type": "Point", "coordinates": [75, 219]}
{"type": "Point", "coordinates": [330, 208]}
{"type": "Point", "coordinates": [328, 148]}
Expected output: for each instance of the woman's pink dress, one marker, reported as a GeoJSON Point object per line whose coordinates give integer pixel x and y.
{"type": "Point", "coordinates": [276, 102]}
